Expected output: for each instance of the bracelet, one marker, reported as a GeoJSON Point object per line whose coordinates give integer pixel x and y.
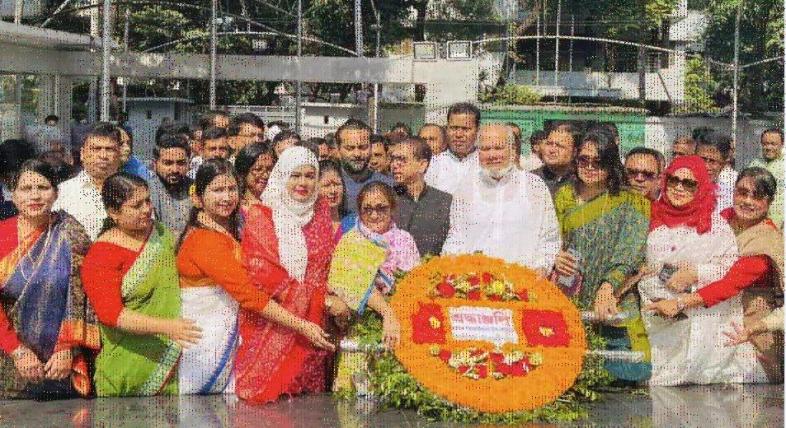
{"type": "Point", "coordinates": [18, 352]}
{"type": "Point", "coordinates": [680, 304]}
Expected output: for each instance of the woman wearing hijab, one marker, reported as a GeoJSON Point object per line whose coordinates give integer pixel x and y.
{"type": "Point", "coordinates": [688, 248]}
{"type": "Point", "coordinates": [756, 275]}
{"type": "Point", "coordinates": [287, 244]}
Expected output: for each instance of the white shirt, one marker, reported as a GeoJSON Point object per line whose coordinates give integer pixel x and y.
{"type": "Point", "coordinates": [726, 181]}
{"type": "Point", "coordinates": [531, 162]}
{"type": "Point", "coordinates": [513, 219]}
{"type": "Point", "coordinates": [446, 170]}
{"type": "Point", "coordinates": [82, 199]}
{"type": "Point", "coordinates": [194, 165]}
{"type": "Point", "coordinates": [7, 194]}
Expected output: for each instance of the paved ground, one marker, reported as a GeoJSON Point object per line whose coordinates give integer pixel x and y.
{"type": "Point", "coordinates": [696, 406]}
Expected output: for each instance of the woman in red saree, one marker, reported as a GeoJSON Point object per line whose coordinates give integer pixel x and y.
{"type": "Point", "coordinates": [287, 244]}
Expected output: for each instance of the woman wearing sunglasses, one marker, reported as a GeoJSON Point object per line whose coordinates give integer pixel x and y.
{"type": "Point", "coordinates": [688, 248]}
{"type": "Point", "coordinates": [756, 276]}
{"type": "Point", "coordinates": [604, 231]}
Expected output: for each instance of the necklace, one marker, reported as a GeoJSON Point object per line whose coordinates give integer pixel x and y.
{"type": "Point", "coordinates": [29, 258]}
{"type": "Point", "coordinates": [207, 222]}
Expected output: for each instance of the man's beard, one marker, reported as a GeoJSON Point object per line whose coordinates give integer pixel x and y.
{"type": "Point", "coordinates": [496, 174]}
{"type": "Point", "coordinates": [352, 166]}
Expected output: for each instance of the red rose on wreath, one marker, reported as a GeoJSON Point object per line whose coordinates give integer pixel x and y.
{"type": "Point", "coordinates": [428, 324]}
{"type": "Point", "coordinates": [445, 289]}
{"type": "Point", "coordinates": [545, 328]}
{"type": "Point", "coordinates": [473, 280]}
{"type": "Point", "coordinates": [486, 278]}
{"type": "Point", "coordinates": [473, 295]}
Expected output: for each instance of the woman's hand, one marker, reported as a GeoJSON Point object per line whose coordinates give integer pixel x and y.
{"type": "Point", "coordinates": [565, 264]}
{"type": "Point", "coordinates": [683, 278]}
{"type": "Point", "coordinates": [739, 336]}
{"type": "Point", "coordinates": [666, 308]}
{"type": "Point", "coordinates": [316, 335]}
{"type": "Point", "coordinates": [59, 365]}
{"type": "Point", "coordinates": [183, 331]}
{"type": "Point", "coordinates": [28, 365]}
{"type": "Point", "coordinates": [336, 307]}
{"type": "Point", "coordinates": [391, 331]}
{"type": "Point", "coordinates": [605, 305]}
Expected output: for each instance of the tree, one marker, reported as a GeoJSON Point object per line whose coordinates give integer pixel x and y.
{"type": "Point", "coordinates": [761, 31]}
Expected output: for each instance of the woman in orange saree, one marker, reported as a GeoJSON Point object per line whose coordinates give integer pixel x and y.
{"type": "Point", "coordinates": [287, 245]}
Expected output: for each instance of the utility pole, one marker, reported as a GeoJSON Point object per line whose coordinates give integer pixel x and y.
{"type": "Point", "coordinates": [735, 99]}
{"type": "Point", "coordinates": [106, 50]}
{"type": "Point", "coordinates": [213, 7]}
{"type": "Point", "coordinates": [298, 82]}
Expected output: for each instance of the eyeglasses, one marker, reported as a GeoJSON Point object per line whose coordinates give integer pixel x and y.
{"type": "Point", "coordinates": [588, 162]}
{"type": "Point", "coordinates": [745, 193]}
{"type": "Point", "coordinates": [635, 173]}
{"type": "Point", "coordinates": [380, 210]}
{"type": "Point", "coordinates": [686, 183]}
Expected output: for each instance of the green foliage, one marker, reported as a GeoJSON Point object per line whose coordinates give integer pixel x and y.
{"type": "Point", "coordinates": [511, 94]}
{"type": "Point", "coordinates": [700, 86]}
{"type": "Point", "coordinates": [761, 36]}
{"type": "Point", "coordinates": [397, 389]}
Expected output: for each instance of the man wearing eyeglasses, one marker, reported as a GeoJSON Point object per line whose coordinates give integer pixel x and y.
{"type": "Point", "coordinates": [772, 161]}
{"type": "Point", "coordinates": [643, 168]}
{"type": "Point", "coordinates": [423, 211]}
{"type": "Point", "coordinates": [558, 153]}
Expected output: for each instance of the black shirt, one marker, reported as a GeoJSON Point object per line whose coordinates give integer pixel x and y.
{"type": "Point", "coordinates": [427, 219]}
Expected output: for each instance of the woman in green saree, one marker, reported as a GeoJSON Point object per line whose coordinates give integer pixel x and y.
{"type": "Point", "coordinates": [604, 230]}
{"type": "Point", "coordinates": [131, 280]}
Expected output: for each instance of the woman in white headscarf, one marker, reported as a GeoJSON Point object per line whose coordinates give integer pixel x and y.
{"type": "Point", "coordinates": [287, 244]}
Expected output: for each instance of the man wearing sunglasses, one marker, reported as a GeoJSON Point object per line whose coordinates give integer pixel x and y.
{"type": "Point", "coordinates": [643, 167]}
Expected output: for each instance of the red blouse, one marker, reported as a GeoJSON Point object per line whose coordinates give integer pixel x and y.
{"type": "Point", "coordinates": [747, 271]}
{"type": "Point", "coordinates": [103, 270]}
{"type": "Point", "coordinates": [9, 239]}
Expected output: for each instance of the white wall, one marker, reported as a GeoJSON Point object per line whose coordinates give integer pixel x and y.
{"type": "Point", "coordinates": [145, 129]}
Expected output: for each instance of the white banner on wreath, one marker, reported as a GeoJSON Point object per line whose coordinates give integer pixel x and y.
{"type": "Point", "coordinates": [487, 324]}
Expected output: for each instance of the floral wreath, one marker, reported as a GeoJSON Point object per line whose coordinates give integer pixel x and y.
{"type": "Point", "coordinates": [524, 370]}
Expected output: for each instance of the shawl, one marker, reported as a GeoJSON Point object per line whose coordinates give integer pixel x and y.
{"type": "Point", "coordinates": [289, 216]}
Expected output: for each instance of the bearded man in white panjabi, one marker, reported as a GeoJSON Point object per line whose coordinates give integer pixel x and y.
{"type": "Point", "coordinates": [501, 210]}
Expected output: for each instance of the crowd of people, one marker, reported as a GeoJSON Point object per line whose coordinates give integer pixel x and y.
{"type": "Point", "coordinates": [237, 258]}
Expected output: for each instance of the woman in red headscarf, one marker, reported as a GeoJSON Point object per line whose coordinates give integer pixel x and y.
{"type": "Point", "coordinates": [688, 247]}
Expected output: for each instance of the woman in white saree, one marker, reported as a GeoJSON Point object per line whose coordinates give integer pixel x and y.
{"type": "Point", "coordinates": [689, 247]}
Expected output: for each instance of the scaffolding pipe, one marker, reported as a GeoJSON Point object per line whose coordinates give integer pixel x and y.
{"type": "Point", "coordinates": [125, 52]}
{"type": "Point", "coordinates": [213, 7]}
{"type": "Point", "coordinates": [556, 46]}
{"type": "Point", "coordinates": [106, 50]}
{"type": "Point", "coordinates": [358, 28]}
{"type": "Point", "coordinates": [735, 100]}
{"type": "Point", "coordinates": [537, 52]}
{"type": "Point", "coordinates": [375, 106]}
{"type": "Point", "coordinates": [19, 11]}
{"type": "Point", "coordinates": [298, 83]}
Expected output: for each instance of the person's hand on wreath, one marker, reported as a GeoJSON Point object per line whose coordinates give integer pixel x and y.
{"type": "Point", "coordinates": [605, 305]}
{"type": "Point", "coordinates": [391, 331]}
